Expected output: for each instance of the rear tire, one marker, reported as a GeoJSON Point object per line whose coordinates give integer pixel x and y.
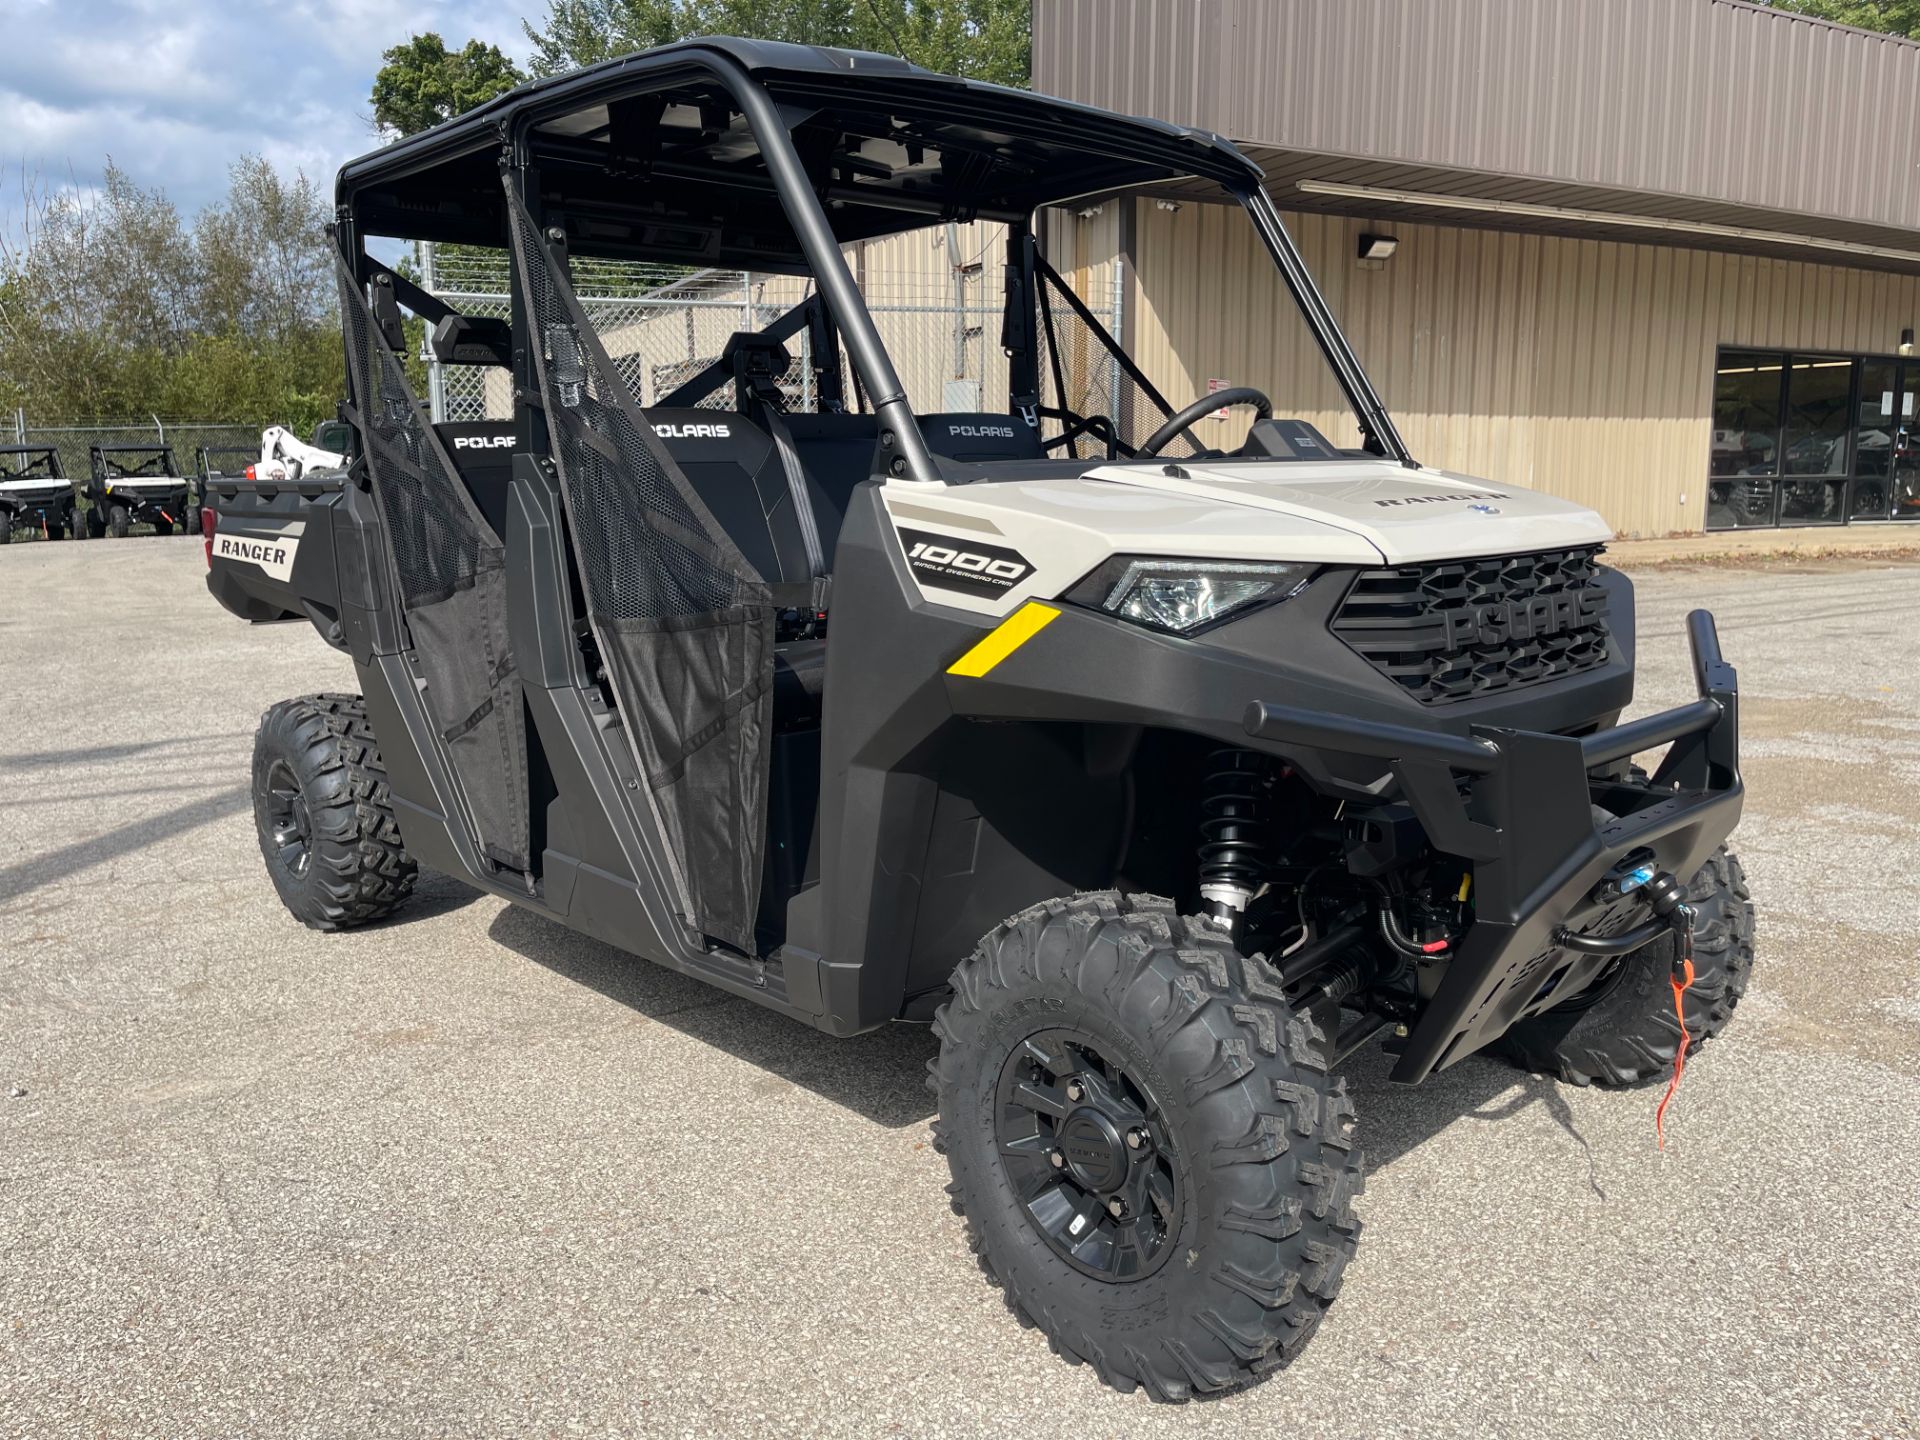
{"type": "Point", "coordinates": [190, 522]}
{"type": "Point", "coordinates": [77, 525]}
{"type": "Point", "coordinates": [1623, 1031]}
{"type": "Point", "coordinates": [6, 529]}
{"type": "Point", "coordinates": [1227, 1271]}
{"type": "Point", "coordinates": [119, 522]}
{"type": "Point", "coordinates": [324, 814]}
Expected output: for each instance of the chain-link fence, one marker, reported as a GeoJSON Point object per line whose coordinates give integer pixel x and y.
{"type": "Point", "coordinates": [935, 296]}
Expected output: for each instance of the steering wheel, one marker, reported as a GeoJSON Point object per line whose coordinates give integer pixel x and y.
{"type": "Point", "coordinates": [1184, 418]}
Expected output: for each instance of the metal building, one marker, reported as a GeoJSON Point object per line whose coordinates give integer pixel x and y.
{"type": "Point", "coordinates": [1660, 256]}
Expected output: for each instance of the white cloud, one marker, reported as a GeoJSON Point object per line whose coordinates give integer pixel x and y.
{"type": "Point", "coordinates": [176, 90]}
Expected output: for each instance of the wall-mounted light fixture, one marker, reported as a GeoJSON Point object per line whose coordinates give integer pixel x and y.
{"type": "Point", "coordinates": [1172, 207]}
{"type": "Point", "coordinates": [1377, 248]}
{"type": "Point", "coordinates": [1434, 199]}
{"type": "Point", "coordinates": [1906, 341]}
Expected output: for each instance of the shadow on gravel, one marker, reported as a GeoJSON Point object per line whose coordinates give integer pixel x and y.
{"type": "Point", "coordinates": [434, 895]}
{"type": "Point", "coordinates": [164, 828]}
{"type": "Point", "coordinates": [99, 754]}
{"type": "Point", "coordinates": [881, 1075]}
{"type": "Point", "coordinates": [1395, 1119]}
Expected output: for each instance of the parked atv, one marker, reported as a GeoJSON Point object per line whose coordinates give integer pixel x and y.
{"type": "Point", "coordinates": [138, 484]}
{"type": "Point", "coordinates": [1159, 776]}
{"type": "Point", "coordinates": [36, 493]}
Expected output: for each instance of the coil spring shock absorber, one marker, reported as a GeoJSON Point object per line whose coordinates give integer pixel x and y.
{"type": "Point", "coordinates": [1233, 828]}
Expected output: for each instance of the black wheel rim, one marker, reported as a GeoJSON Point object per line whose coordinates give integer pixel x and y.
{"type": "Point", "coordinates": [288, 822]}
{"type": "Point", "coordinates": [1089, 1156]}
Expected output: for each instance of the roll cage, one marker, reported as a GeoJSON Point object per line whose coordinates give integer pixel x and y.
{"type": "Point", "coordinates": [771, 157]}
{"type": "Point", "coordinates": [133, 462]}
{"type": "Point", "coordinates": [30, 462]}
{"type": "Point", "coordinates": [598, 569]}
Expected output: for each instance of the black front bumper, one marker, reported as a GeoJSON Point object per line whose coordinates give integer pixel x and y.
{"type": "Point", "coordinates": [168, 500]}
{"type": "Point", "coordinates": [1525, 820]}
{"type": "Point", "coordinates": [54, 500]}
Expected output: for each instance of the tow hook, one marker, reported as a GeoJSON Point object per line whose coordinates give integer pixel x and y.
{"type": "Point", "coordinates": [1667, 898]}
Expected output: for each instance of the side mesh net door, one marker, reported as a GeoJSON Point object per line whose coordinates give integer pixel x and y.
{"type": "Point", "coordinates": [452, 576]}
{"type": "Point", "coordinates": [683, 622]}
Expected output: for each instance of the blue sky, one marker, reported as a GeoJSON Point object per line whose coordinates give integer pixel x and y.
{"type": "Point", "coordinates": [175, 90]}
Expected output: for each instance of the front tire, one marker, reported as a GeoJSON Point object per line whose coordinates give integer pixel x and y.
{"type": "Point", "coordinates": [1082, 1024]}
{"type": "Point", "coordinates": [1624, 1031]}
{"type": "Point", "coordinates": [119, 522]}
{"type": "Point", "coordinates": [324, 814]}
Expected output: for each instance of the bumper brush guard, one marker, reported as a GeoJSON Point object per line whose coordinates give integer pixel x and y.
{"type": "Point", "coordinates": [1526, 824]}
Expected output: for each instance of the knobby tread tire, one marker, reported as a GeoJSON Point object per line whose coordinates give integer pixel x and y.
{"type": "Point", "coordinates": [1630, 1035]}
{"type": "Point", "coordinates": [1264, 1139]}
{"type": "Point", "coordinates": [359, 868]}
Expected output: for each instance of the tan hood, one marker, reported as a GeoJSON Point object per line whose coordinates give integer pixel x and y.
{"type": "Point", "coordinates": [1407, 515]}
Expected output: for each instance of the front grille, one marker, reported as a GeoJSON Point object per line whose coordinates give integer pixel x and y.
{"type": "Point", "coordinates": [1460, 629]}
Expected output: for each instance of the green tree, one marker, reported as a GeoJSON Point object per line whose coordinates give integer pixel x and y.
{"type": "Point", "coordinates": [265, 269]}
{"type": "Point", "coordinates": [423, 83]}
{"type": "Point", "coordinates": [111, 306]}
{"type": "Point", "coordinates": [1891, 17]}
{"type": "Point", "coordinates": [980, 39]}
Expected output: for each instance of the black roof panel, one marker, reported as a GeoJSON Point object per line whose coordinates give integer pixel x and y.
{"type": "Point", "coordinates": [890, 145]}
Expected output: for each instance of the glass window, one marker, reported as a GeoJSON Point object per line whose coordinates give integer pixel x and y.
{"type": "Point", "coordinates": [1819, 396]}
{"type": "Point", "coordinates": [1818, 389]}
{"type": "Point", "coordinates": [1876, 422]}
{"type": "Point", "coordinates": [1746, 438]}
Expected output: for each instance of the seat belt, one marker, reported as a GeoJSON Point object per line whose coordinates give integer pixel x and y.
{"type": "Point", "coordinates": [756, 376]}
{"type": "Point", "coordinates": [776, 424]}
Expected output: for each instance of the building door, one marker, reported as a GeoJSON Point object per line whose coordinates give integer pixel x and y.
{"type": "Point", "coordinates": [1906, 445]}
{"type": "Point", "coordinates": [1886, 480]}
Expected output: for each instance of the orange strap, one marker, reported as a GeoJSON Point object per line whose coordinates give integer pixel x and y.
{"type": "Point", "coordinates": [1680, 983]}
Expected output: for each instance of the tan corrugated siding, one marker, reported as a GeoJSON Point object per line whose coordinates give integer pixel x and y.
{"type": "Point", "coordinates": [1715, 99]}
{"type": "Point", "coordinates": [1582, 367]}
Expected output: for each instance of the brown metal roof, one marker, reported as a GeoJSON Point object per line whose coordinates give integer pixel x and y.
{"type": "Point", "coordinates": [1707, 113]}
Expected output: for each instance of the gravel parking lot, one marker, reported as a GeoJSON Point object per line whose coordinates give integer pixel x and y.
{"type": "Point", "coordinates": [470, 1174]}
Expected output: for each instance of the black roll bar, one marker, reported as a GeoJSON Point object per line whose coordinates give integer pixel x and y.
{"type": "Point", "coordinates": [899, 430]}
{"type": "Point", "coordinates": [1326, 330]}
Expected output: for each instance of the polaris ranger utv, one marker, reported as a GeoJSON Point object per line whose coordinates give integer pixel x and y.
{"type": "Point", "coordinates": [134, 484]}
{"type": "Point", "coordinates": [1159, 775]}
{"type": "Point", "coordinates": [35, 491]}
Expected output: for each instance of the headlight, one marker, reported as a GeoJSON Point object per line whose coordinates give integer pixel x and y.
{"type": "Point", "coordinates": [1182, 596]}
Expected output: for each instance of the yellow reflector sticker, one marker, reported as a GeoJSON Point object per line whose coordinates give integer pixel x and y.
{"type": "Point", "coordinates": [1005, 638]}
